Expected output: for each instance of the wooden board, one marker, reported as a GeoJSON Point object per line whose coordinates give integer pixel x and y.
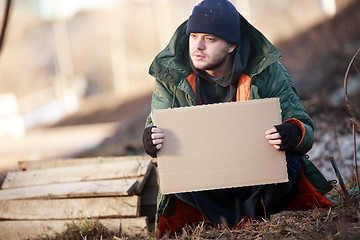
{"type": "Point", "coordinates": [55, 163]}
{"type": "Point", "coordinates": [151, 188]}
{"type": "Point", "coordinates": [152, 180]}
{"type": "Point", "coordinates": [135, 226]}
{"type": "Point", "coordinates": [121, 187]}
{"type": "Point", "coordinates": [141, 182]}
{"type": "Point", "coordinates": [114, 170]}
{"type": "Point", "coordinates": [69, 208]}
{"type": "Point", "coordinates": [24, 229]}
{"type": "Point", "coordinates": [148, 196]}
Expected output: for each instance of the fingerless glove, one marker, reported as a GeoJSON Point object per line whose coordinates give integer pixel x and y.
{"type": "Point", "coordinates": [149, 147]}
{"type": "Point", "coordinates": [290, 136]}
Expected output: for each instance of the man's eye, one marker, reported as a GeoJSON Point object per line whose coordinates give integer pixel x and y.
{"type": "Point", "coordinates": [210, 39]}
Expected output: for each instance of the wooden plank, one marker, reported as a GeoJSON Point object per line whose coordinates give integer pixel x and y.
{"type": "Point", "coordinates": [150, 191]}
{"type": "Point", "coordinates": [121, 187]}
{"type": "Point", "coordinates": [152, 180]}
{"type": "Point", "coordinates": [26, 229]}
{"type": "Point", "coordinates": [54, 163]}
{"type": "Point", "coordinates": [118, 170]}
{"type": "Point", "coordinates": [148, 196]}
{"type": "Point", "coordinates": [69, 208]}
{"type": "Point", "coordinates": [141, 181]}
{"type": "Point", "coordinates": [135, 226]}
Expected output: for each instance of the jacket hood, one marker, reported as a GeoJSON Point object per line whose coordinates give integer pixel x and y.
{"type": "Point", "coordinates": [172, 63]}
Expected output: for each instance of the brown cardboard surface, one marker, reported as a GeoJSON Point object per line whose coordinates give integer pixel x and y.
{"type": "Point", "coordinates": [219, 146]}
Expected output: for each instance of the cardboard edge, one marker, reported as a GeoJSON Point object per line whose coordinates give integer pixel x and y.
{"type": "Point", "coordinates": [211, 105]}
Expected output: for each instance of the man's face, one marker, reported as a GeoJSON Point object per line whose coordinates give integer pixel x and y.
{"type": "Point", "coordinates": [211, 54]}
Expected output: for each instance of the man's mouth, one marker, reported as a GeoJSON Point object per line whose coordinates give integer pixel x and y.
{"type": "Point", "coordinates": [199, 57]}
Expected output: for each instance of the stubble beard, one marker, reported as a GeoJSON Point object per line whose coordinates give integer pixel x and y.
{"type": "Point", "coordinates": [212, 64]}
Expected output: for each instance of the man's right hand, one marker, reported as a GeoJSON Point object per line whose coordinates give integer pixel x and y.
{"type": "Point", "coordinates": [157, 137]}
{"type": "Point", "coordinates": [153, 138]}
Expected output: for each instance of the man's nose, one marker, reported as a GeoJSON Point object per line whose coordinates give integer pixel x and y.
{"type": "Point", "coordinates": [199, 44]}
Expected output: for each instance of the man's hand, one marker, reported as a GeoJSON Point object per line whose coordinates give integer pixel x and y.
{"type": "Point", "coordinates": [157, 136]}
{"type": "Point", "coordinates": [273, 137]}
{"type": "Point", "coordinates": [153, 138]}
{"type": "Point", "coordinates": [284, 137]}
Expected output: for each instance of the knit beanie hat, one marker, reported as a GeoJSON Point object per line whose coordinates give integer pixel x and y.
{"type": "Point", "coordinates": [216, 17]}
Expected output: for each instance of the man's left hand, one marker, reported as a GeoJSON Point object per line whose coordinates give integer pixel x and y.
{"type": "Point", "coordinates": [284, 137]}
{"type": "Point", "coordinates": [273, 137]}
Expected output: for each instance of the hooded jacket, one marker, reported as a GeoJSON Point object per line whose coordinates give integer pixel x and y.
{"type": "Point", "coordinates": [267, 78]}
{"type": "Point", "coordinates": [171, 68]}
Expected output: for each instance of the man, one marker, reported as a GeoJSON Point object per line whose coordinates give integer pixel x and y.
{"type": "Point", "coordinates": [217, 56]}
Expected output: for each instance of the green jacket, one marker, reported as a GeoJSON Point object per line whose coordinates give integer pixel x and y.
{"type": "Point", "coordinates": [269, 79]}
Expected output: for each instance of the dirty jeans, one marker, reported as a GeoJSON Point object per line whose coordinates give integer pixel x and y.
{"type": "Point", "coordinates": [229, 206]}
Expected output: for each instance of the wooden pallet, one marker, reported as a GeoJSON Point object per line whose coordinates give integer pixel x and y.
{"type": "Point", "coordinates": [45, 195]}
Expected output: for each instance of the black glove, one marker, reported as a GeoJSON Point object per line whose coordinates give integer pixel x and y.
{"type": "Point", "coordinates": [149, 147]}
{"type": "Point", "coordinates": [290, 136]}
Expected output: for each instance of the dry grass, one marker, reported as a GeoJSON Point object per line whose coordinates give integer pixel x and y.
{"type": "Point", "coordinates": [340, 222]}
{"type": "Point", "coordinates": [85, 230]}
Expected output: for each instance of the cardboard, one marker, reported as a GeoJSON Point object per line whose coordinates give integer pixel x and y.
{"type": "Point", "coordinates": [219, 146]}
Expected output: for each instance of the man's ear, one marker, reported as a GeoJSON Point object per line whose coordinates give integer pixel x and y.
{"type": "Point", "coordinates": [232, 47]}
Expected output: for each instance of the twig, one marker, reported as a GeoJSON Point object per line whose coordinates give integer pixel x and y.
{"type": "Point", "coordinates": [226, 227]}
{"type": "Point", "coordinates": [345, 90]}
{"type": "Point", "coordinates": [263, 204]}
{"type": "Point", "coordinates": [4, 23]}
{"type": "Point", "coordinates": [341, 182]}
{"type": "Point", "coordinates": [355, 162]}
{"type": "Point", "coordinates": [328, 215]}
{"type": "Point", "coordinates": [337, 144]}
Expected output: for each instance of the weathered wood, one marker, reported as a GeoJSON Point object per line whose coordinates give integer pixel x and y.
{"type": "Point", "coordinates": [55, 163]}
{"type": "Point", "coordinates": [141, 181]}
{"type": "Point", "coordinates": [148, 196]}
{"type": "Point", "coordinates": [69, 208]}
{"type": "Point", "coordinates": [24, 229]}
{"type": "Point", "coordinates": [118, 170]}
{"type": "Point", "coordinates": [152, 180]}
{"type": "Point", "coordinates": [135, 226]}
{"type": "Point", "coordinates": [151, 188]}
{"type": "Point", "coordinates": [121, 187]}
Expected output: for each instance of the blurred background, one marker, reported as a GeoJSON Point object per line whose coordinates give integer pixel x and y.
{"type": "Point", "coordinates": [74, 76]}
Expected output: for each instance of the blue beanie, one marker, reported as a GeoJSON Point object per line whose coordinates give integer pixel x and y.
{"type": "Point", "coordinates": [216, 17]}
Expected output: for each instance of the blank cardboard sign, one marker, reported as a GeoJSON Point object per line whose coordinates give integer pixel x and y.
{"type": "Point", "coordinates": [219, 146]}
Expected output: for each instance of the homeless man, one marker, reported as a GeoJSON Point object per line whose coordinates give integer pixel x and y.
{"type": "Point", "coordinates": [217, 56]}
